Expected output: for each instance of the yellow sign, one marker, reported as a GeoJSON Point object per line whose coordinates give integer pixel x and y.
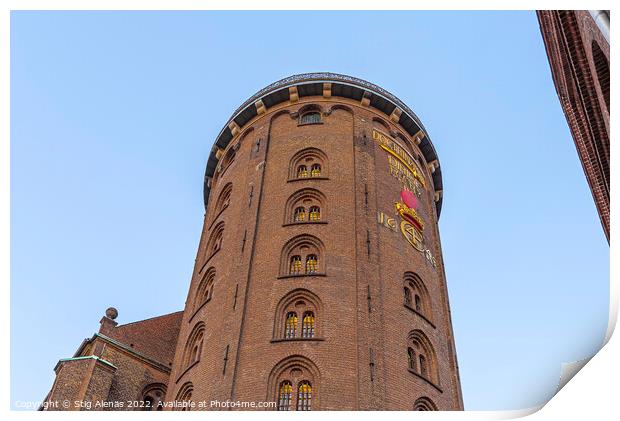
{"type": "Point", "coordinates": [386, 221]}
{"type": "Point", "coordinates": [402, 174]}
{"type": "Point", "coordinates": [402, 163]}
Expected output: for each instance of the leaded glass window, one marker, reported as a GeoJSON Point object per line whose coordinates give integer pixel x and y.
{"type": "Point", "coordinates": [295, 265]}
{"type": "Point", "coordinates": [312, 264]}
{"type": "Point", "coordinates": [300, 214]}
{"type": "Point", "coordinates": [307, 326]}
{"type": "Point", "coordinates": [291, 325]}
{"type": "Point", "coordinates": [407, 296]}
{"type": "Point", "coordinates": [311, 118]}
{"type": "Point", "coordinates": [411, 358]}
{"type": "Point", "coordinates": [304, 396]}
{"type": "Point", "coordinates": [423, 369]}
{"type": "Point", "coordinates": [285, 396]}
{"type": "Point", "coordinates": [315, 214]}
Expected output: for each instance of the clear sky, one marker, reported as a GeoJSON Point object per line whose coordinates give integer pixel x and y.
{"type": "Point", "coordinates": [113, 115]}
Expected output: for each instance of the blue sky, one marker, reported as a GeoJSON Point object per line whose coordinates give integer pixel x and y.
{"type": "Point", "coordinates": [113, 115]}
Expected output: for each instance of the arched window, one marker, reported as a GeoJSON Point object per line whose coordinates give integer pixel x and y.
{"type": "Point", "coordinates": [601, 64]}
{"type": "Point", "coordinates": [311, 117]}
{"type": "Point", "coordinates": [300, 214]}
{"type": "Point", "coordinates": [299, 302]}
{"type": "Point", "coordinates": [285, 396]}
{"type": "Point", "coordinates": [426, 363]}
{"type": "Point", "coordinates": [303, 377]}
{"type": "Point", "coordinates": [312, 264]}
{"type": "Point", "coordinates": [153, 396]}
{"type": "Point", "coordinates": [296, 268]}
{"type": "Point", "coordinates": [315, 214]}
{"type": "Point", "coordinates": [381, 125]}
{"type": "Point", "coordinates": [417, 297]}
{"type": "Point", "coordinates": [193, 348]}
{"type": "Point", "coordinates": [224, 199]}
{"type": "Point", "coordinates": [307, 326]}
{"type": "Point", "coordinates": [308, 162]}
{"type": "Point", "coordinates": [306, 205]}
{"type": "Point", "coordinates": [303, 255]}
{"type": "Point", "coordinates": [229, 157]}
{"type": "Point", "coordinates": [411, 358]}
{"type": "Point", "coordinates": [304, 396]}
{"type": "Point", "coordinates": [215, 241]}
{"type": "Point", "coordinates": [204, 291]}
{"type": "Point", "coordinates": [424, 404]}
{"type": "Point", "coordinates": [184, 397]}
{"type": "Point", "coordinates": [290, 328]}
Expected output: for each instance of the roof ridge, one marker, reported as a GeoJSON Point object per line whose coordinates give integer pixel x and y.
{"type": "Point", "coordinates": [150, 318]}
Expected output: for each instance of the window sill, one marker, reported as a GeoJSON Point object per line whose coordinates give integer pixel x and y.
{"type": "Point", "coordinates": [425, 379]}
{"type": "Point", "coordinates": [197, 310]}
{"type": "Point", "coordinates": [186, 370]}
{"type": "Point", "coordinates": [290, 180]}
{"type": "Point", "coordinates": [217, 217]}
{"type": "Point", "coordinates": [288, 224]}
{"type": "Point", "coordinates": [302, 275]}
{"type": "Point", "coordinates": [227, 167]}
{"type": "Point", "coordinates": [208, 260]}
{"type": "Point", "coordinates": [297, 340]}
{"type": "Point", "coordinates": [408, 307]}
{"type": "Point", "coordinates": [309, 124]}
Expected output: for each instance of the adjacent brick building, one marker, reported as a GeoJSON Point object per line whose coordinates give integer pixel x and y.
{"type": "Point", "coordinates": [319, 281]}
{"type": "Point", "coordinates": [577, 43]}
{"type": "Point", "coordinates": [128, 363]}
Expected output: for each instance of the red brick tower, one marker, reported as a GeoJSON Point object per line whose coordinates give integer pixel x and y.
{"type": "Point", "coordinates": [319, 281]}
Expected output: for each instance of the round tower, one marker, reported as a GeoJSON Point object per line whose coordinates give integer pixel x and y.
{"type": "Point", "coordinates": [319, 281]}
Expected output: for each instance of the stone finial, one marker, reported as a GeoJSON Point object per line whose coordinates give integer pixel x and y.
{"type": "Point", "coordinates": [111, 313]}
{"type": "Point", "coordinates": [107, 322]}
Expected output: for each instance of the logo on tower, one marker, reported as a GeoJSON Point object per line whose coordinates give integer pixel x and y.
{"type": "Point", "coordinates": [407, 209]}
{"type": "Point", "coordinates": [411, 225]}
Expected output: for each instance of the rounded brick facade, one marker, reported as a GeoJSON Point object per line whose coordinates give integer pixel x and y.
{"type": "Point", "coordinates": [319, 280]}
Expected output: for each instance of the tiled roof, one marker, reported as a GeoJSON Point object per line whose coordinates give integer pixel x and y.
{"type": "Point", "coordinates": [155, 338]}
